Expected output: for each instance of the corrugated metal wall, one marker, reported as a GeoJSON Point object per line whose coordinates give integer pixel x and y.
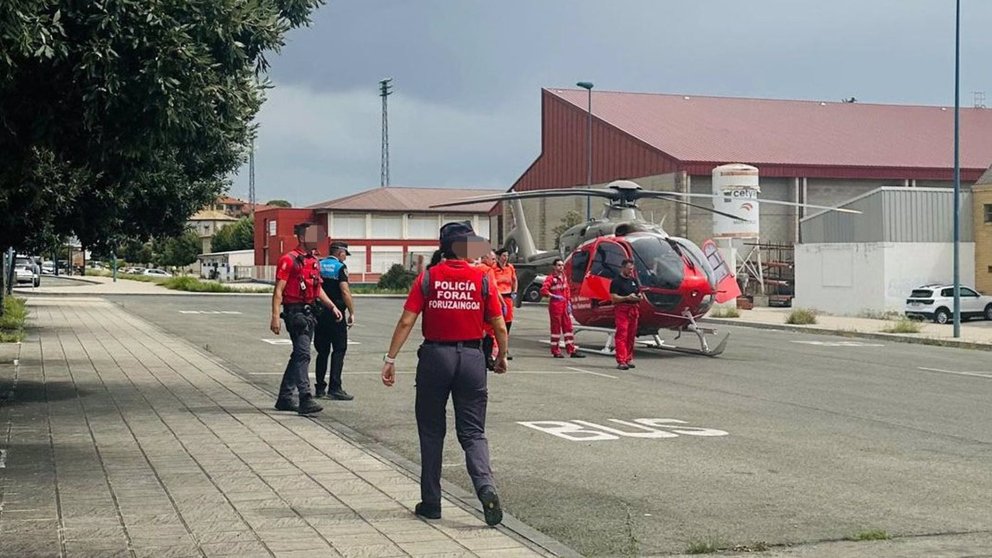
{"type": "Point", "coordinates": [893, 215]}
{"type": "Point", "coordinates": [563, 160]}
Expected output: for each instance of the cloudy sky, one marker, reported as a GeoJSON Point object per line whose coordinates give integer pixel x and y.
{"type": "Point", "coordinates": [467, 75]}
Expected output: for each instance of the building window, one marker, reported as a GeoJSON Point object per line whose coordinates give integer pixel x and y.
{"type": "Point", "coordinates": [348, 225]}
{"type": "Point", "coordinates": [387, 226]}
{"type": "Point", "coordinates": [422, 226]}
{"type": "Point", "coordinates": [988, 213]}
{"type": "Point", "coordinates": [383, 260]}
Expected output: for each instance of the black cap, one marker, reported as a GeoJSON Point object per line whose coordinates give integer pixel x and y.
{"type": "Point", "coordinates": [340, 246]}
{"type": "Point", "coordinates": [300, 229]}
{"type": "Point", "coordinates": [455, 231]}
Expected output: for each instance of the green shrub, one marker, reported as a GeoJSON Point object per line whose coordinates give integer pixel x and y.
{"type": "Point", "coordinates": [903, 325]}
{"type": "Point", "coordinates": [702, 547]}
{"type": "Point", "coordinates": [398, 277]}
{"type": "Point", "coordinates": [802, 316]}
{"type": "Point", "coordinates": [870, 535]}
{"type": "Point", "coordinates": [729, 312]}
{"type": "Point", "coordinates": [374, 289]}
{"type": "Point", "coordinates": [192, 284]}
{"type": "Point", "coordinates": [15, 313]}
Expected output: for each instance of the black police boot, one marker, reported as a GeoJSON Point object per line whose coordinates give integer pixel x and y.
{"type": "Point", "coordinates": [340, 395]}
{"type": "Point", "coordinates": [490, 505]}
{"type": "Point", "coordinates": [286, 405]}
{"type": "Point", "coordinates": [308, 406]}
{"type": "Point", "coordinates": [428, 511]}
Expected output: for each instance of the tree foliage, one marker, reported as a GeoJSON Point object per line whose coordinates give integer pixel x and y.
{"type": "Point", "coordinates": [178, 251]}
{"type": "Point", "coordinates": [279, 203]}
{"type": "Point", "coordinates": [397, 277]}
{"type": "Point", "coordinates": [120, 119]}
{"type": "Point", "coordinates": [237, 236]}
{"type": "Point", "coordinates": [570, 219]}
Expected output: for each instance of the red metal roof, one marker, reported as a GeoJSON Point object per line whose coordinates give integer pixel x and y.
{"type": "Point", "coordinates": [398, 199]}
{"type": "Point", "coordinates": [714, 130]}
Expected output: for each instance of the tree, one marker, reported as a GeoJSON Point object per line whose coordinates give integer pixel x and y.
{"type": "Point", "coordinates": [570, 219]}
{"type": "Point", "coordinates": [121, 119]}
{"type": "Point", "coordinates": [279, 203]}
{"type": "Point", "coordinates": [179, 251]}
{"type": "Point", "coordinates": [238, 236]}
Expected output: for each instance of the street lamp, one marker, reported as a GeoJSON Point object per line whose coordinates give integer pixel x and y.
{"type": "Point", "coordinates": [957, 172]}
{"type": "Point", "coordinates": [587, 85]}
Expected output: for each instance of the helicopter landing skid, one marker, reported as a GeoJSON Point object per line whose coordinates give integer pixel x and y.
{"type": "Point", "coordinates": [657, 343]}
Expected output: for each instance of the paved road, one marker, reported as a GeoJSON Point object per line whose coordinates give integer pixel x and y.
{"type": "Point", "coordinates": [787, 438]}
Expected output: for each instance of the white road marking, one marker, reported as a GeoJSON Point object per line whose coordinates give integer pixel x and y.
{"type": "Point", "coordinates": [840, 343]}
{"type": "Point", "coordinates": [209, 312]}
{"type": "Point", "coordinates": [591, 372]}
{"type": "Point", "coordinates": [957, 372]}
{"type": "Point", "coordinates": [3, 459]}
{"type": "Point", "coordinates": [278, 341]}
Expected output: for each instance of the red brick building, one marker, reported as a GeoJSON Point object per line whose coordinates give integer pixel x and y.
{"type": "Point", "coordinates": [382, 226]}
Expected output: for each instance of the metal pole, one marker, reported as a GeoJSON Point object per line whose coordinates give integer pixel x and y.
{"type": "Point", "coordinates": [589, 154]}
{"type": "Point", "coordinates": [957, 172]}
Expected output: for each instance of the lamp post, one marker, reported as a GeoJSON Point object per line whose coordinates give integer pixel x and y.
{"type": "Point", "coordinates": [957, 172]}
{"type": "Point", "coordinates": [587, 85]}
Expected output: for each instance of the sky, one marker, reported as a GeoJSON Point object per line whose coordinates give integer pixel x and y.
{"type": "Point", "coordinates": [467, 75]}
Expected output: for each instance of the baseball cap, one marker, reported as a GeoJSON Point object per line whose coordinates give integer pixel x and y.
{"type": "Point", "coordinates": [461, 233]}
{"type": "Point", "coordinates": [340, 245]}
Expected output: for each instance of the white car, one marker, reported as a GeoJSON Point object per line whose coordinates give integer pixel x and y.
{"type": "Point", "coordinates": [936, 302]}
{"type": "Point", "coordinates": [26, 271]}
{"type": "Point", "coordinates": [157, 273]}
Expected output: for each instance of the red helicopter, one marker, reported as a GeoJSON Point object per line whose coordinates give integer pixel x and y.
{"type": "Point", "coordinates": [679, 280]}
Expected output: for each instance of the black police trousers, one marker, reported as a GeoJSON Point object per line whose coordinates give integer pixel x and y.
{"type": "Point", "coordinates": [461, 372]}
{"type": "Point", "coordinates": [330, 333]}
{"type": "Point", "coordinates": [300, 323]}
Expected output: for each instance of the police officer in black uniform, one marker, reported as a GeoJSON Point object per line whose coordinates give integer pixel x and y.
{"type": "Point", "coordinates": [331, 332]}
{"type": "Point", "coordinates": [454, 297]}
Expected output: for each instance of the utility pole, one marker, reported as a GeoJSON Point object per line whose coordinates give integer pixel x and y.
{"type": "Point", "coordinates": [251, 178]}
{"type": "Point", "coordinates": [385, 90]}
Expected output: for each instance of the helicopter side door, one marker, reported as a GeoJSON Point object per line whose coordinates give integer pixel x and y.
{"type": "Point", "coordinates": [605, 266]}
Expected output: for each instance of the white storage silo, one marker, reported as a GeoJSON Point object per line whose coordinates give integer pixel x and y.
{"type": "Point", "coordinates": [736, 189]}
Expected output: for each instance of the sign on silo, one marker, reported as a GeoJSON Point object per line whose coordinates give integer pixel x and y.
{"type": "Point", "coordinates": [736, 190]}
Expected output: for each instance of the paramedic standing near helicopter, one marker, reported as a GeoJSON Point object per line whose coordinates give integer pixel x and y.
{"type": "Point", "coordinates": [506, 281]}
{"type": "Point", "coordinates": [560, 310]}
{"type": "Point", "coordinates": [625, 292]}
{"type": "Point", "coordinates": [455, 298]}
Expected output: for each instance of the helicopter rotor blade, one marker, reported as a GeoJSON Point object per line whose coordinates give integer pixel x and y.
{"type": "Point", "coordinates": [666, 196]}
{"type": "Point", "coordinates": [588, 192]}
{"type": "Point", "coordinates": [760, 201]}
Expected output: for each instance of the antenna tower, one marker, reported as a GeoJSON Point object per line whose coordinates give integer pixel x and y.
{"type": "Point", "coordinates": [385, 90]}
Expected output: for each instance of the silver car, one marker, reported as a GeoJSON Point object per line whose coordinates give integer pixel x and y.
{"type": "Point", "coordinates": [26, 271]}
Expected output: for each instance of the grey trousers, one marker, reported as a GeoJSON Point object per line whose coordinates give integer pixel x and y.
{"type": "Point", "coordinates": [300, 326]}
{"type": "Point", "coordinates": [460, 372]}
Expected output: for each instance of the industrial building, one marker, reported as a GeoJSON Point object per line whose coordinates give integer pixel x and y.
{"type": "Point", "coordinates": [813, 152]}
{"type": "Point", "coordinates": [382, 226]}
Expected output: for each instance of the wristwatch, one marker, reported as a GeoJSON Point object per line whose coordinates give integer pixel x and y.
{"type": "Point", "coordinates": [387, 360]}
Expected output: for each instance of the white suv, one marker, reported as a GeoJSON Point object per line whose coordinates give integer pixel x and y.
{"type": "Point", "coordinates": [936, 302]}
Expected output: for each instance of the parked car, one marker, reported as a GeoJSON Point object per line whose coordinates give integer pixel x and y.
{"type": "Point", "coordinates": [936, 302]}
{"type": "Point", "coordinates": [533, 291]}
{"type": "Point", "coordinates": [157, 273]}
{"type": "Point", "coordinates": [134, 270]}
{"type": "Point", "coordinates": [27, 271]}
{"type": "Point", "coordinates": [48, 267]}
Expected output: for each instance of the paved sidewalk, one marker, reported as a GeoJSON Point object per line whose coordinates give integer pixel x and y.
{"type": "Point", "coordinates": [120, 441]}
{"type": "Point", "coordinates": [974, 334]}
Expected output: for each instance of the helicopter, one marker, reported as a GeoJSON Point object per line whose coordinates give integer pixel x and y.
{"type": "Point", "coordinates": [679, 280]}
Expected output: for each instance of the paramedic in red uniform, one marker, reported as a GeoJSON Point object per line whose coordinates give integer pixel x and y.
{"type": "Point", "coordinates": [456, 299]}
{"type": "Point", "coordinates": [297, 291]}
{"type": "Point", "coordinates": [626, 296]}
{"type": "Point", "coordinates": [560, 310]}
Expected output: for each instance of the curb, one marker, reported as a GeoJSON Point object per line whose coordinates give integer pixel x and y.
{"type": "Point", "coordinates": [897, 337]}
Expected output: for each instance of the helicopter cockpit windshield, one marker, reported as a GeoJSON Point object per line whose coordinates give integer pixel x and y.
{"type": "Point", "coordinates": [658, 264]}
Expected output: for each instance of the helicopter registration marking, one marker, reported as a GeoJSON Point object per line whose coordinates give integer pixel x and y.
{"type": "Point", "coordinates": [653, 428]}
{"type": "Point", "coordinates": [840, 343]}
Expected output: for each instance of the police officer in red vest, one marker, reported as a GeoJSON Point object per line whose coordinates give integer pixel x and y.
{"type": "Point", "coordinates": [455, 298]}
{"type": "Point", "coordinates": [297, 290]}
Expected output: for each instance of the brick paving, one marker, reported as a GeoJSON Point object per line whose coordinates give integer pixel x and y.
{"type": "Point", "coordinates": [120, 441]}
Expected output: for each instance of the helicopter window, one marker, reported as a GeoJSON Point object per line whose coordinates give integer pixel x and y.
{"type": "Point", "coordinates": [697, 257]}
{"type": "Point", "coordinates": [607, 260]}
{"type": "Point", "coordinates": [658, 264]}
{"type": "Point", "coordinates": [579, 262]}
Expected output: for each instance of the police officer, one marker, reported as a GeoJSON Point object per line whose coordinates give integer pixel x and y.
{"type": "Point", "coordinates": [297, 290]}
{"type": "Point", "coordinates": [331, 332]}
{"type": "Point", "coordinates": [625, 292]}
{"type": "Point", "coordinates": [455, 297]}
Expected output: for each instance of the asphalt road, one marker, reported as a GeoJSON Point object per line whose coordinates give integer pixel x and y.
{"type": "Point", "coordinates": [787, 438]}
